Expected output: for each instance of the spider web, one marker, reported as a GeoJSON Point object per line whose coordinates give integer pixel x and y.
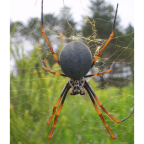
{"type": "Point", "coordinates": [34, 92]}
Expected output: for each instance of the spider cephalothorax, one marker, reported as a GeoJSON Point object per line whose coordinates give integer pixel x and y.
{"type": "Point", "coordinates": [76, 61]}
{"type": "Point", "coordinates": [77, 86]}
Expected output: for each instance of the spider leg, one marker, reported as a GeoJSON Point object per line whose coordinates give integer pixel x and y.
{"type": "Point", "coordinates": [58, 113]}
{"type": "Point", "coordinates": [103, 108]}
{"type": "Point", "coordinates": [55, 127]}
{"type": "Point", "coordinates": [109, 39]}
{"type": "Point", "coordinates": [55, 73]}
{"type": "Point", "coordinates": [57, 103]}
{"type": "Point", "coordinates": [100, 73]}
{"type": "Point", "coordinates": [100, 114]}
{"type": "Point", "coordinates": [43, 32]}
{"type": "Point", "coordinates": [83, 91]}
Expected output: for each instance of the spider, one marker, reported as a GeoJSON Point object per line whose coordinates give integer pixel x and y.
{"type": "Point", "coordinates": [76, 61]}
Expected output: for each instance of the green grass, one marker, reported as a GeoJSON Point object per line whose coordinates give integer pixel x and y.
{"type": "Point", "coordinates": [33, 93]}
{"type": "Point", "coordinates": [78, 121]}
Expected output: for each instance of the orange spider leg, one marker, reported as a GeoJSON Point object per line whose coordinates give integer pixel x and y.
{"type": "Point", "coordinates": [103, 108]}
{"type": "Point", "coordinates": [83, 91]}
{"type": "Point", "coordinates": [58, 113]}
{"type": "Point", "coordinates": [43, 32]}
{"type": "Point", "coordinates": [57, 103]}
{"type": "Point", "coordinates": [109, 39]}
{"type": "Point", "coordinates": [100, 73]}
{"type": "Point", "coordinates": [55, 73]}
{"type": "Point", "coordinates": [100, 114]}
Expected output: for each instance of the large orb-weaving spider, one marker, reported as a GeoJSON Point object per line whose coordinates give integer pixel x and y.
{"type": "Point", "coordinates": [76, 61]}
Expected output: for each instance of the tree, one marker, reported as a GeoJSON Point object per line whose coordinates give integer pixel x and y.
{"type": "Point", "coordinates": [55, 27]}
{"type": "Point", "coordinates": [66, 22]}
{"type": "Point", "coordinates": [97, 30]}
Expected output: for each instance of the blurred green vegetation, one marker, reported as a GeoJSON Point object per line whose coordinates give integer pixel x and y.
{"type": "Point", "coordinates": [33, 91]}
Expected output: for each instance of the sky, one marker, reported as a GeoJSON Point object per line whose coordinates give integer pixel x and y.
{"type": "Point", "coordinates": [22, 10]}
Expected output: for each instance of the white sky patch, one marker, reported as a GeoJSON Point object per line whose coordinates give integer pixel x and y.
{"type": "Point", "coordinates": [125, 11]}
{"type": "Point", "coordinates": [22, 10]}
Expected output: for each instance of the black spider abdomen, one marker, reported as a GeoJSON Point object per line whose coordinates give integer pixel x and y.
{"type": "Point", "coordinates": [75, 60]}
